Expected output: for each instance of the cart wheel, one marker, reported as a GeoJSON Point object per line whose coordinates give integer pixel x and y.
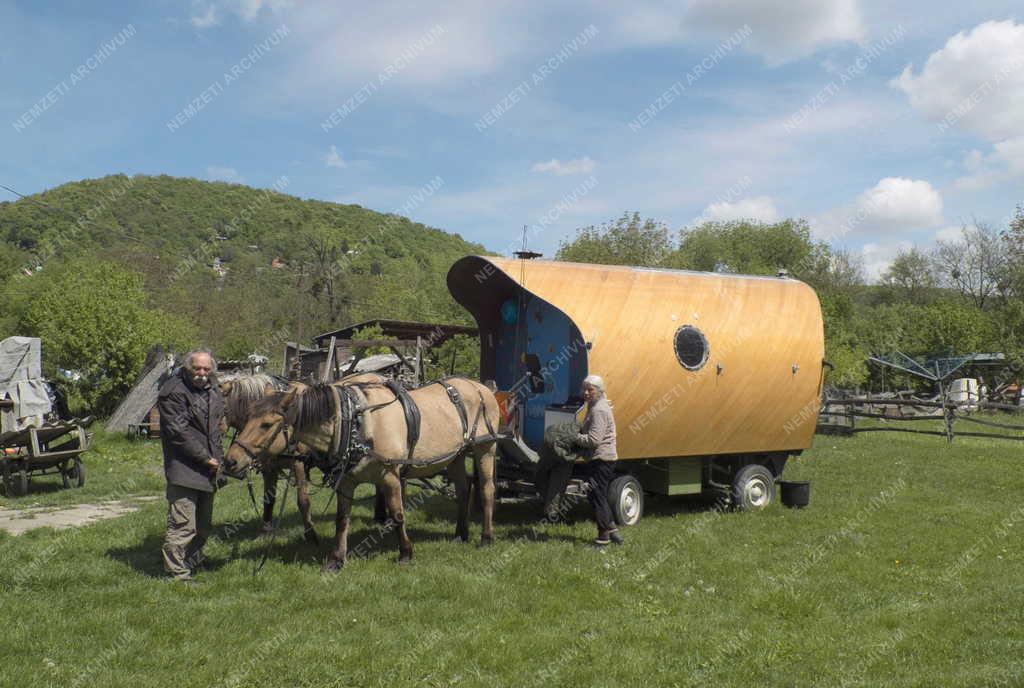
{"type": "Point", "coordinates": [74, 474]}
{"type": "Point", "coordinates": [21, 481]}
{"type": "Point", "coordinates": [753, 488]}
{"type": "Point", "coordinates": [8, 480]}
{"type": "Point", "coordinates": [626, 498]}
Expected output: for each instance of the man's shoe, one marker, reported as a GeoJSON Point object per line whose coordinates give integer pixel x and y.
{"type": "Point", "coordinates": [615, 537]}
{"type": "Point", "coordinates": [601, 541]}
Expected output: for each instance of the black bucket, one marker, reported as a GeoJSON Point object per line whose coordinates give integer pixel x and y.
{"type": "Point", "coordinates": [796, 494]}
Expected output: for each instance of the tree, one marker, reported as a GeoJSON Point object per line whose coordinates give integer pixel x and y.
{"type": "Point", "coordinates": [842, 349]}
{"type": "Point", "coordinates": [1013, 239]}
{"type": "Point", "coordinates": [911, 277]}
{"type": "Point", "coordinates": [323, 252]}
{"type": "Point", "coordinates": [832, 271]}
{"type": "Point", "coordinates": [953, 328]}
{"type": "Point", "coordinates": [626, 241]}
{"type": "Point", "coordinates": [93, 320]}
{"type": "Point", "coordinates": [976, 265]}
{"type": "Point", "coordinates": [750, 247]}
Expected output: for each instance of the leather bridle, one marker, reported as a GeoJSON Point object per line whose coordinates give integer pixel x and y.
{"type": "Point", "coordinates": [256, 454]}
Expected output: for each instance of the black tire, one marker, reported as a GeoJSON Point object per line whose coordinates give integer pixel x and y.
{"type": "Point", "coordinates": [79, 472]}
{"type": "Point", "coordinates": [626, 498]}
{"type": "Point", "coordinates": [753, 488]}
{"type": "Point", "coordinates": [74, 474]}
{"type": "Point", "coordinates": [21, 482]}
{"type": "Point", "coordinates": [8, 479]}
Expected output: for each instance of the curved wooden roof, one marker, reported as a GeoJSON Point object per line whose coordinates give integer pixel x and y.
{"type": "Point", "coordinates": [759, 390]}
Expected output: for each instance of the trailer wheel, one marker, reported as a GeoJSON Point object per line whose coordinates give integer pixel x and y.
{"type": "Point", "coordinates": [74, 474]}
{"type": "Point", "coordinates": [753, 488]}
{"type": "Point", "coordinates": [626, 498]}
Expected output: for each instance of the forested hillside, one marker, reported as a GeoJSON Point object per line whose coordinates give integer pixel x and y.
{"type": "Point", "coordinates": [104, 268]}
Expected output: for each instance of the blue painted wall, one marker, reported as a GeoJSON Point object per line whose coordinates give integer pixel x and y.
{"type": "Point", "coordinates": [530, 325]}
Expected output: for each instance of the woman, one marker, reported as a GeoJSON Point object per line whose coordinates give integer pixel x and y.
{"type": "Point", "coordinates": [597, 442]}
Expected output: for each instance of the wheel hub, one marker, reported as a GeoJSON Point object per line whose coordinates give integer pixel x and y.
{"type": "Point", "coordinates": [757, 493]}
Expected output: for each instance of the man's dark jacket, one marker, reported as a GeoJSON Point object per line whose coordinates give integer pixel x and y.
{"type": "Point", "coordinates": [190, 431]}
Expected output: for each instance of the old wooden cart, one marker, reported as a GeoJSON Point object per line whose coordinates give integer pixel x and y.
{"type": "Point", "coordinates": [715, 379]}
{"type": "Point", "coordinates": [34, 439]}
{"type": "Point", "coordinates": [54, 448]}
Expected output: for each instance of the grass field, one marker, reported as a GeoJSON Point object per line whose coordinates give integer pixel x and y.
{"type": "Point", "coordinates": [906, 570]}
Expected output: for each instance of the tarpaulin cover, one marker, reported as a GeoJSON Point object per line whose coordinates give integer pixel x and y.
{"type": "Point", "coordinates": [21, 381]}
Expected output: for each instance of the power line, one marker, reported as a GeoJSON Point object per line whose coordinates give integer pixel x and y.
{"type": "Point", "coordinates": [37, 202]}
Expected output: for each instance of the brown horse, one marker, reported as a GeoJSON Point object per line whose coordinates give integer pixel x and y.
{"type": "Point", "coordinates": [380, 453]}
{"type": "Point", "coordinates": [240, 393]}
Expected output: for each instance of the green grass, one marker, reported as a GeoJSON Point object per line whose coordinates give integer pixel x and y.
{"type": "Point", "coordinates": [905, 570]}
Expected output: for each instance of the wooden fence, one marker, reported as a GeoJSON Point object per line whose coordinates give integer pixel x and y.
{"type": "Point", "coordinates": [839, 416]}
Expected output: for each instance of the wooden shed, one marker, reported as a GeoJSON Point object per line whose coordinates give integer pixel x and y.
{"type": "Point", "coordinates": [700, 365]}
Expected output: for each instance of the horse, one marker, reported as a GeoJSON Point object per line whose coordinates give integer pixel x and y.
{"type": "Point", "coordinates": [240, 392]}
{"type": "Point", "coordinates": [365, 429]}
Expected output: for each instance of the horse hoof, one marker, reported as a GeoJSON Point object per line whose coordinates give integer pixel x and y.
{"type": "Point", "coordinates": [333, 566]}
{"type": "Point", "coordinates": [486, 541]}
{"type": "Point", "coordinates": [311, 537]}
{"type": "Point", "coordinates": [405, 561]}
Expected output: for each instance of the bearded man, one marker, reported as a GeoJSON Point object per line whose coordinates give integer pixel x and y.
{"type": "Point", "coordinates": [190, 406]}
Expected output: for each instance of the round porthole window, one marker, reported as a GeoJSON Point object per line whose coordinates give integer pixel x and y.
{"type": "Point", "coordinates": [691, 347]}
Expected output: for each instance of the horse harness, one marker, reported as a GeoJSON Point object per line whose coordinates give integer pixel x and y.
{"type": "Point", "coordinates": [349, 443]}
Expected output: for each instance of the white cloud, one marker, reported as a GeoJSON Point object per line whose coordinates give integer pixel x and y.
{"type": "Point", "coordinates": [205, 19]}
{"type": "Point", "coordinates": [973, 160]}
{"type": "Point", "coordinates": [224, 174]}
{"type": "Point", "coordinates": [951, 233]}
{"type": "Point", "coordinates": [761, 208]}
{"type": "Point", "coordinates": [782, 31]}
{"type": "Point", "coordinates": [879, 256]}
{"type": "Point", "coordinates": [894, 204]}
{"type": "Point", "coordinates": [582, 165]}
{"type": "Point", "coordinates": [897, 202]}
{"type": "Point", "coordinates": [975, 82]}
{"type": "Point", "coordinates": [1004, 163]}
{"type": "Point", "coordinates": [247, 10]}
{"type": "Point", "coordinates": [333, 158]}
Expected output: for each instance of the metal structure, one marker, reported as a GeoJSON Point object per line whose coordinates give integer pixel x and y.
{"type": "Point", "coordinates": [336, 354]}
{"type": "Point", "coordinates": [938, 370]}
{"type": "Point", "coordinates": [711, 376]}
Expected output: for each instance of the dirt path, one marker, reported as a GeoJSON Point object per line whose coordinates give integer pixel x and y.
{"type": "Point", "coordinates": [17, 521]}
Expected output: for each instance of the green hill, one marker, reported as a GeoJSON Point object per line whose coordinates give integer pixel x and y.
{"type": "Point", "coordinates": [287, 266]}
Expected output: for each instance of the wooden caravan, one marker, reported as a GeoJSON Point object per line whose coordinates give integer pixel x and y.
{"type": "Point", "coordinates": [707, 373]}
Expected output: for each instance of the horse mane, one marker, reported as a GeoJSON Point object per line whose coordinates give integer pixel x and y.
{"type": "Point", "coordinates": [246, 390]}
{"type": "Point", "coordinates": [313, 405]}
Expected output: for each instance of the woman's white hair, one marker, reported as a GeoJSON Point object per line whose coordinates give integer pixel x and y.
{"type": "Point", "coordinates": [595, 381]}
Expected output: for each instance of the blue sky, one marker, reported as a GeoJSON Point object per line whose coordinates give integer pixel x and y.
{"type": "Point", "coordinates": [886, 125]}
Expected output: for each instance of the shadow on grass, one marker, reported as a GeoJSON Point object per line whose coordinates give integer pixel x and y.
{"type": "Point", "coordinates": [248, 542]}
{"type": "Point", "coordinates": [429, 520]}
